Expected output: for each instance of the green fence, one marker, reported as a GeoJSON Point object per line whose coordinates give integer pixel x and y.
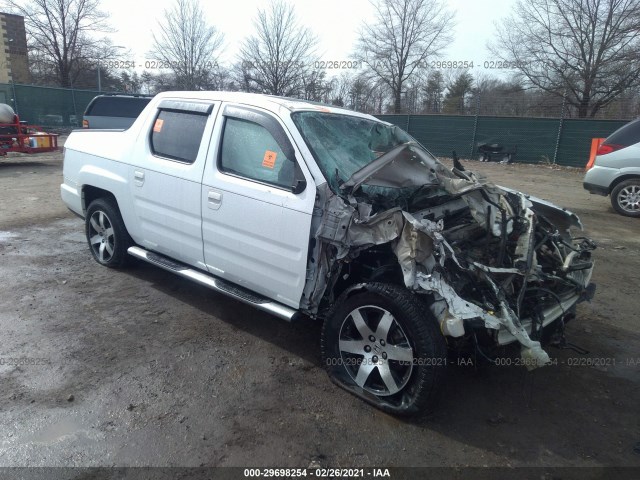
{"type": "Point", "coordinates": [561, 141]}
{"type": "Point", "coordinates": [47, 106]}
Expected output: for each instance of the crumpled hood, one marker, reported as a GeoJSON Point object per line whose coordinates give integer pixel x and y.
{"type": "Point", "coordinates": [407, 165]}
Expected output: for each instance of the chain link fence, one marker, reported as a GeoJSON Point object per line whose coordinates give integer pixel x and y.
{"type": "Point", "coordinates": [535, 140]}
{"type": "Point", "coordinates": [47, 106]}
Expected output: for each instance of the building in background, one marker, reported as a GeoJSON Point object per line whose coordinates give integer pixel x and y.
{"type": "Point", "coordinates": [14, 63]}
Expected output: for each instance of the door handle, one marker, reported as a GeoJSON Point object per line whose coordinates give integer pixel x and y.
{"type": "Point", "coordinates": [214, 199]}
{"type": "Point", "coordinates": [138, 177]}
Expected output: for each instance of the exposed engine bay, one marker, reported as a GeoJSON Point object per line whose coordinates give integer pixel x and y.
{"type": "Point", "coordinates": [480, 254]}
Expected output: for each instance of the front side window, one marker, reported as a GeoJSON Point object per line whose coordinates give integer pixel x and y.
{"type": "Point", "coordinates": [177, 134]}
{"type": "Point", "coordinates": [250, 151]}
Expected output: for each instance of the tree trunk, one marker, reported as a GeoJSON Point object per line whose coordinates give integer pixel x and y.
{"type": "Point", "coordinates": [397, 107]}
{"type": "Point", "coordinates": [583, 108]}
{"type": "Point", "coordinates": [65, 77]}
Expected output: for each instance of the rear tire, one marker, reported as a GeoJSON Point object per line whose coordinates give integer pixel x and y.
{"type": "Point", "coordinates": [384, 346]}
{"type": "Point", "coordinates": [625, 198]}
{"type": "Point", "coordinates": [106, 233]}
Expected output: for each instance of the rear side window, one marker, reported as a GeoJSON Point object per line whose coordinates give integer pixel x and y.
{"type": "Point", "coordinates": [250, 151]}
{"type": "Point", "coordinates": [626, 135]}
{"type": "Point", "coordinates": [177, 134]}
{"type": "Point", "coordinates": [116, 107]}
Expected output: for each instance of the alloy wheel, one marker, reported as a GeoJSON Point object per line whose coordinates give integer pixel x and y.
{"type": "Point", "coordinates": [375, 350]}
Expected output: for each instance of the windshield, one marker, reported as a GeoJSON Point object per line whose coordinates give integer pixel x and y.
{"type": "Point", "coordinates": [343, 144]}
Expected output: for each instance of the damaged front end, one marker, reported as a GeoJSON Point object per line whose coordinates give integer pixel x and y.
{"type": "Point", "coordinates": [483, 257]}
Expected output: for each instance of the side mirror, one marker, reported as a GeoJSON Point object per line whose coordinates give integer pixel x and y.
{"type": "Point", "coordinates": [299, 182]}
{"type": "Point", "coordinates": [299, 185]}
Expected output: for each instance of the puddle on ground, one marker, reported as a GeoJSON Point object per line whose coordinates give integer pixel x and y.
{"type": "Point", "coordinates": [6, 235]}
{"type": "Point", "coordinates": [56, 432]}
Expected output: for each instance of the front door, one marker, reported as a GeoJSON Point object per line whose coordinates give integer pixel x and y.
{"type": "Point", "coordinates": [255, 227]}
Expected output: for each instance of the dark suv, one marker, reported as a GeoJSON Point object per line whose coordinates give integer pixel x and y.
{"type": "Point", "coordinates": [114, 111]}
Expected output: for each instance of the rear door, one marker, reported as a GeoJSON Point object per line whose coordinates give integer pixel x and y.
{"type": "Point", "coordinates": [257, 200]}
{"type": "Point", "coordinates": [165, 179]}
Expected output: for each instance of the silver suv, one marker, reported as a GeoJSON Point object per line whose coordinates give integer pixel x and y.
{"type": "Point", "coordinates": [616, 170]}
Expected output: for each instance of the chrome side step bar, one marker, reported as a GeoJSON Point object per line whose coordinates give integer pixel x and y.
{"type": "Point", "coordinates": [217, 284]}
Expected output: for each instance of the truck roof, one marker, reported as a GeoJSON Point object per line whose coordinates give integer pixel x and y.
{"type": "Point", "coordinates": [261, 100]}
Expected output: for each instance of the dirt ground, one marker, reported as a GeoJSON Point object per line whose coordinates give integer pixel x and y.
{"type": "Point", "coordinates": [134, 368]}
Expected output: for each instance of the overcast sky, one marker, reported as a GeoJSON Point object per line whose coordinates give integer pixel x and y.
{"type": "Point", "coordinates": [335, 22]}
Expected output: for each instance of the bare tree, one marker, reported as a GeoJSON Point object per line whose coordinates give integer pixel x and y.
{"type": "Point", "coordinates": [586, 49]}
{"type": "Point", "coordinates": [339, 89]}
{"type": "Point", "coordinates": [405, 34]}
{"type": "Point", "coordinates": [187, 45]}
{"type": "Point", "coordinates": [62, 34]}
{"type": "Point", "coordinates": [101, 67]}
{"type": "Point", "coordinates": [280, 55]}
{"type": "Point", "coordinates": [491, 95]}
{"type": "Point", "coordinates": [241, 77]}
{"type": "Point", "coordinates": [368, 95]}
{"type": "Point", "coordinates": [315, 86]}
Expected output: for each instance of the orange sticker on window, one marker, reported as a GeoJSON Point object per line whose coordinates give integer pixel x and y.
{"type": "Point", "coordinates": [269, 159]}
{"type": "Point", "coordinates": [157, 127]}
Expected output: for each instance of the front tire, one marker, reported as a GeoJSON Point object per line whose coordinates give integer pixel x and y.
{"type": "Point", "coordinates": [625, 198]}
{"type": "Point", "coordinates": [106, 233]}
{"type": "Point", "coordinates": [383, 345]}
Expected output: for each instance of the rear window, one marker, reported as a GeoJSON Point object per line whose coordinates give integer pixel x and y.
{"type": "Point", "coordinates": [177, 134]}
{"type": "Point", "coordinates": [626, 135]}
{"type": "Point", "coordinates": [129, 107]}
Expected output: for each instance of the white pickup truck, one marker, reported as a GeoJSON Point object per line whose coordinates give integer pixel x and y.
{"type": "Point", "coordinates": [304, 209]}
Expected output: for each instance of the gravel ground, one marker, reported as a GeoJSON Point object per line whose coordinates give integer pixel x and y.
{"type": "Point", "coordinates": [139, 367]}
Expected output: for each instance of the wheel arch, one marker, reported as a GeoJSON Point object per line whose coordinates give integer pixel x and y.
{"type": "Point", "coordinates": [377, 265]}
{"type": "Point", "coordinates": [91, 193]}
{"type": "Point", "coordinates": [351, 290]}
{"type": "Point", "coordinates": [375, 286]}
{"type": "Point", "coordinates": [616, 181]}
